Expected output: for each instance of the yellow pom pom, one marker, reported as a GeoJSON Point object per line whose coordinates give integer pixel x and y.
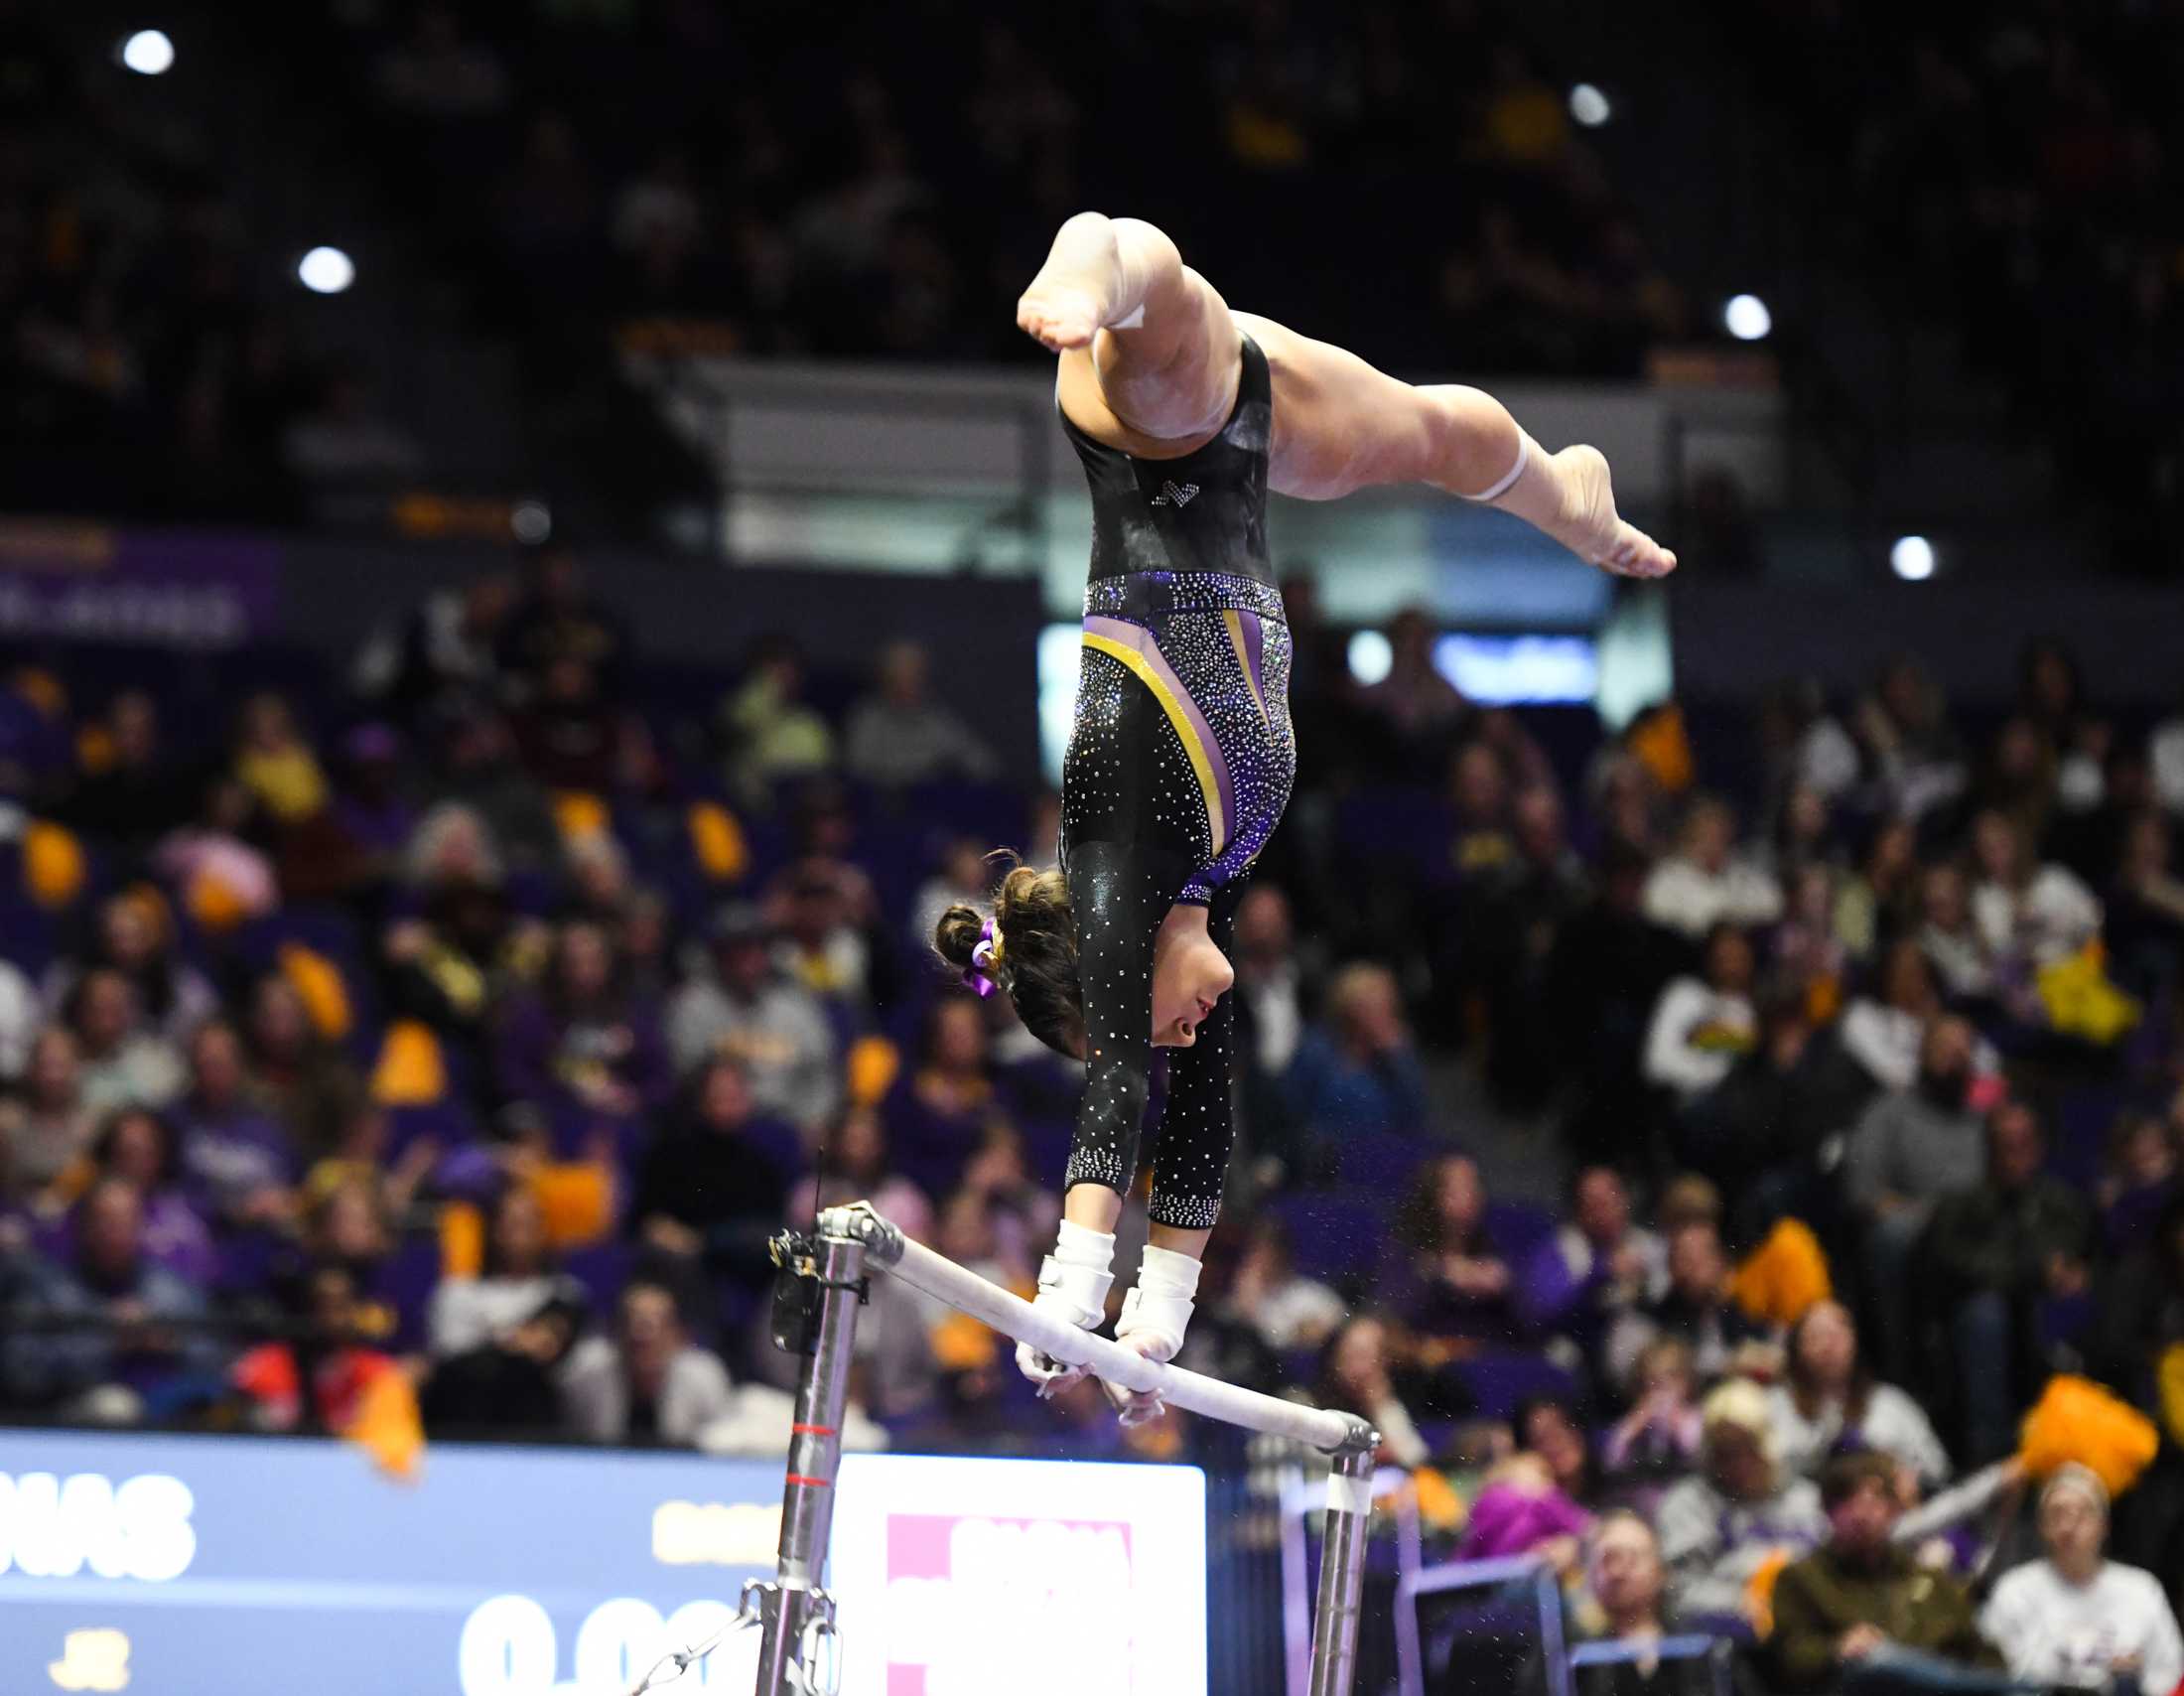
{"type": "Point", "coordinates": [411, 1072]}
{"type": "Point", "coordinates": [577, 1201]}
{"type": "Point", "coordinates": [874, 1063]}
{"type": "Point", "coordinates": [318, 983]}
{"type": "Point", "coordinates": [2075, 1419]}
{"type": "Point", "coordinates": [1783, 1276]}
{"type": "Point", "coordinates": [579, 815]}
{"type": "Point", "coordinates": [52, 864]}
{"type": "Point", "coordinates": [717, 843]}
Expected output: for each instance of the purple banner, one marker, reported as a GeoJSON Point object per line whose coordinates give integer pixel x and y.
{"type": "Point", "coordinates": [88, 583]}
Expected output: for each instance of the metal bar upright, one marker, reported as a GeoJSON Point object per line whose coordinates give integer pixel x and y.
{"type": "Point", "coordinates": [1342, 1573]}
{"type": "Point", "coordinates": [795, 1611]}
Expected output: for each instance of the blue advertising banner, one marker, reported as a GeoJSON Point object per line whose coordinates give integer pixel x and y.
{"type": "Point", "coordinates": [238, 1565]}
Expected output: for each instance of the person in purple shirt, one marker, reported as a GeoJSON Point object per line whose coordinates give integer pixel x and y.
{"type": "Point", "coordinates": [236, 1161]}
{"type": "Point", "coordinates": [140, 1148]}
{"type": "Point", "coordinates": [102, 1348]}
{"type": "Point", "coordinates": [937, 1113]}
{"type": "Point", "coordinates": [585, 1049]}
{"type": "Point", "coordinates": [1595, 1268]}
{"type": "Point", "coordinates": [1443, 1274]}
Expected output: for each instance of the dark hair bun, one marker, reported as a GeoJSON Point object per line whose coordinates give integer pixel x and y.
{"type": "Point", "coordinates": [959, 932]}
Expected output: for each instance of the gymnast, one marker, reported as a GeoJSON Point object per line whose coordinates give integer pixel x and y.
{"type": "Point", "coordinates": [1181, 757]}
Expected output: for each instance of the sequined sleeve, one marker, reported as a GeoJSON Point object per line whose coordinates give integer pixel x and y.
{"type": "Point", "coordinates": [1120, 895]}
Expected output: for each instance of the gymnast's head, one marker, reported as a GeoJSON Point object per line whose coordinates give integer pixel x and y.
{"type": "Point", "coordinates": [1031, 955]}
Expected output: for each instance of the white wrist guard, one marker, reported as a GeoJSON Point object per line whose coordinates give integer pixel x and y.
{"type": "Point", "coordinates": [1157, 1312]}
{"type": "Point", "coordinates": [1073, 1284]}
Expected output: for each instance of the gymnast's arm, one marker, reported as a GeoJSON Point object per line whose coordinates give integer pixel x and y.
{"type": "Point", "coordinates": [1340, 425]}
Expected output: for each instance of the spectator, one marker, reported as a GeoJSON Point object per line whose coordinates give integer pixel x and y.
{"type": "Point", "coordinates": [583, 1051]}
{"type": "Point", "coordinates": [447, 965]}
{"type": "Point", "coordinates": [2144, 1156]}
{"type": "Point", "coordinates": [2029, 915]}
{"type": "Point", "coordinates": [141, 788]}
{"type": "Point", "coordinates": [899, 736]}
{"type": "Point", "coordinates": [2076, 1620]}
{"type": "Point", "coordinates": [1421, 708]}
{"type": "Point", "coordinates": [444, 653]}
{"type": "Point", "coordinates": [1914, 756]}
{"type": "Point", "coordinates": [1628, 1580]}
{"type": "Point", "coordinates": [220, 871]}
{"type": "Point", "coordinates": [1832, 1402]}
{"type": "Point", "coordinates": [438, 76]}
{"type": "Point", "coordinates": [573, 738]}
{"type": "Point", "coordinates": [1861, 1614]}
{"type": "Point", "coordinates": [140, 1148]}
{"type": "Point", "coordinates": [1597, 1267]}
{"type": "Point", "coordinates": [318, 1384]}
{"type": "Point", "coordinates": [308, 1088]}
{"type": "Point", "coordinates": [937, 1112]}
{"type": "Point", "coordinates": [1703, 884]}
{"type": "Point", "coordinates": [234, 1158]}
{"type": "Point", "coordinates": [965, 875]}
{"type": "Point", "coordinates": [516, 1284]}
{"type": "Point", "coordinates": [1694, 1308]}
{"type": "Point", "coordinates": [771, 733]}
{"type": "Point", "coordinates": [1271, 1009]}
{"type": "Point", "coordinates": [1769, 1132]}
{"type": "Point", "coordinates": [2004, 1249]}
{"type": "Point", "coordinates": [120, 1063]}
{"type": "Point", "coordinates": [276, 766]}
{"type": "Point", "coordinates": [711, 1193]}
{"type": "Point", "coordinates": [1357, 1072]}
{"type": "Point", "coordinates": [1660, 1440]}
{"type": "Point", "coordinates": [857, 1168]}
{"type": "Point", "coordinates": [824, 910]}
{"type": "Point", "coordinates": [508, 1381]}
{"type": "Point", "coordinates": [1953, 940]}
{"type": "Point", "coordinates": [1547, 1426]}
{"type": "Point", "coordinates": [1878, 903]}
{"type": "Point", "coordinates": [1909, 1150]}
{"type": "Point", "coordinates": [1445, 1275]}
{"type": "Point", "coordinates": [2144, 931]}
{"type": "Point", "coordinates": [1356, 1375]}
{"type": "Point", "coordinates": [648, 1382]}
{"type": "Point", "coordinates": [1702, 1025]}
{"type": "Point", "coordinates": [132, 939]}
{"type": "Point", "coordinates": [1738, 1517]}
{"type": "Point", "coordinates": [49, 1127]}
{"type": "Point", "coordinates": [1884, 1032]}
{"type": "Point", "coordinates": [21, 1017]}
{"type": "Point", "coordinates": [747, 1011]}
{"type": "Point", "coordinates": [1285, 1309]}
{"type": "Point", "coordinates": [102, 1350]}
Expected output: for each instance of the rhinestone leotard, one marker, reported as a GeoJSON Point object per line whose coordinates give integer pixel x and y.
{"type": "Point", "coordinates": [1178, 767]}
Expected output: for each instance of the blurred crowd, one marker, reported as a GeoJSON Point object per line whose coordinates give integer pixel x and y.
{"type": "Point", "coordinates": [483, 1015]}
{"type": "Point", "coordinates": [2014, 166]}
{"type": "Point", "coordinates": [758, 188]}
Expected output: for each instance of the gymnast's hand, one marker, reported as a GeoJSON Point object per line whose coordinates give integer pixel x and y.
{"type": "Point", "coordinates": [1139, 1407]}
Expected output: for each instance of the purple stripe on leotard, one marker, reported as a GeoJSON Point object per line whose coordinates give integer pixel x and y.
{"type": "Point", "coordinates": [1254, 645]}
{"type": "Point", "coordinates": [1138, 636]}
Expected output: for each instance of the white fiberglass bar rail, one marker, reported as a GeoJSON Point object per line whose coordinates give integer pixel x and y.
{"type": "Point", "coordinates": [887, 1247]}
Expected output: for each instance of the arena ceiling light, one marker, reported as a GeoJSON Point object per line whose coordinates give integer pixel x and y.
{"type": "Point", "coordinates": [1589, 107]}
{"type": "Point", "coordinates": [1746, 317]}
{"type": "Point", "coordinates": [1372, 657]}
{"type": "Point", "coordinates": [148, 52]}
{"type": "Point", "coordinates": [326, 271]}
{"type": "Point", "coordinates": [1912, 558]}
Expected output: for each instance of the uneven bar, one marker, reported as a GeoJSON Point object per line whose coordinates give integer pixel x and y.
{"type": "Point", "coordinates": [886, 1246]}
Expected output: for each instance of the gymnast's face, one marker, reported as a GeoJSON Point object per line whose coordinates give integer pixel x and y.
{"type": "Point", "coordinates": [1189, 975]}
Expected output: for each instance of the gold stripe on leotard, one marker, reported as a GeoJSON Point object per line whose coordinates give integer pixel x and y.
{"type": "Point", "coordinates": [1186, 731]}
{"type": "Point", "coordinates": [1235, 621]}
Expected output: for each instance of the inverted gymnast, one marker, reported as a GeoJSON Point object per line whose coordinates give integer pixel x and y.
{"type": "Point", "coordinates": [1182, 757]}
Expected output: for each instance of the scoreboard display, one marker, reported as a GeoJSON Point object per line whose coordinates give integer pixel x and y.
{"type": "Point", "coordinates": [234, 1566]}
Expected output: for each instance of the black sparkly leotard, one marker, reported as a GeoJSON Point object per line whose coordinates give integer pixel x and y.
{"type": "Point", "coordinates": [1178, 767]}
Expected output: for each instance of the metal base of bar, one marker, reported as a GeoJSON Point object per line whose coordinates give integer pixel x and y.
{"type": "Point", "coordinates": [800, 1655]}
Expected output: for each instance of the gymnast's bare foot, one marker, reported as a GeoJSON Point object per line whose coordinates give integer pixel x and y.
{"type": "Point", "coordinates": [1595, 532]}
{"type": "Point", "coordinates": [1057, 313]}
